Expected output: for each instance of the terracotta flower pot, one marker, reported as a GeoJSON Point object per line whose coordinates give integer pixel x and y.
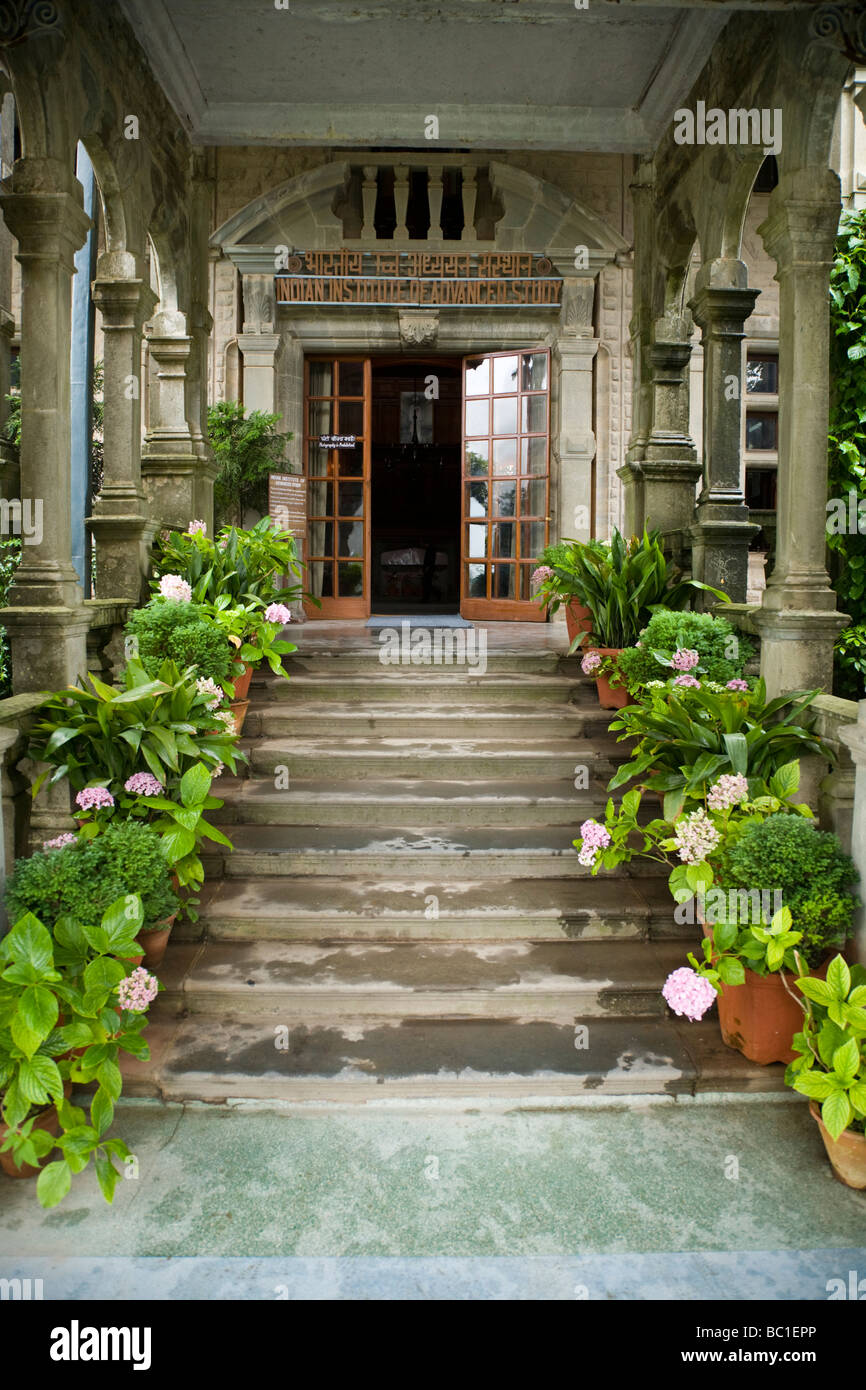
{"type": "Point", "coordinates": [50, 1120]}
{"type": "Point", "coordinates": [609, 697]}
{"type": "Point", "coordinates": [847, 1154]}
{"type": "Point", "coordinates": [577, 620]}
{"type": "Point", "coordinates": [239, 710]}
{"type": "Point", "coordinates": [154, 942]}
{"type": "Point", "coordinates": [760, 1017]}
{"type": "Point", "coordinates": [242, 684]}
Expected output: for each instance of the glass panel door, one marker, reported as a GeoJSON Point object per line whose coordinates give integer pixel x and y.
{"type": "Point", "coordinates": [506, 413]}
{"type": "Point", "coordinates": [337, 404]}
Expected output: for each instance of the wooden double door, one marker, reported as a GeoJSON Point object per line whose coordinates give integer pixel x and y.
{"type": "Point", "coordinates": [505, 482]}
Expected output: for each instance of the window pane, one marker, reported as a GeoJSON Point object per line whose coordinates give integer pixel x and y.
{"type": "Point", "coordinates": [321, 537]}
{"type": "Point", "coordinates": [505, 415]}
{"type": "Point", "coordinates": [503, 499]}
{"type": "Point", "coordinates": [351, 379]}
{"type": "Point", "coordinates": [476, 541]}
{"type": "Point", "coordinates": [762, 375]}
{"type": "Point", "coordinates": [504, 374]}
{"type": "Point", "coordinates": [476, 499]}
{"type": "Point", "coordinates": [351, 461]}
{"type": "Point", "coordinates": [476, 581]}
{"type": "Point", "coordinates": [504, 538]}
{"type": "Point", "coordinates": [504, 456]}
{"type": "Point", "coordinates": [532, 537]}
{"type": "Point", "coordinates": [350, 418]}
{"type": "Point", "coordinates": [320, 419]}
{"type": "Point", "coordinates": [351, 499]}
{"type": "Point", "coordinates": [321, 379]}
{"type": "Point", "coordinates": [533, 496]}
{"type": "Point", "coordinates": [327, 589]}
{"type": "Point", "coordinates": [320, 463]}
{"type": "Point", "coordinates": [477, 417]}
{"type": "Point", "coordinates": [478, 377]}
{"type": "Point", "coordinates": [503, 581]}
{"type": "Point", "coordinates": [534, 376]}
{"type": "Point", "coordinates": [351, 537]}
{"type": "Point", "coordinates": [761, 489]}
{"type": "Point", "coordinates": [534, 414]}
{"type": "Point", "coordinates": [526, 590]}
{"type": "Point", "coordinates": [533, 455]}
{"type": "Point", "coordinates": [761, 430]}
{"type": "Point", "coordinates": [351, 580]}
{"type": "Point", "coordinates": [477, 458]}
{"type": "Point", "coordinates": [321, 499]}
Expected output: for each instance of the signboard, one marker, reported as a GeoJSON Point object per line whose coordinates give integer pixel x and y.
{"type": "Point", "coordinates": [287, 502]}
{"type": "Point", "coordinates": [506, 279]}
{"type": "Point", "coordinates": [337, 441]}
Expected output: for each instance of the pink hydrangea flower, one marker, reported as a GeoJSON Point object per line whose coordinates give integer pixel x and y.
{"type": "Point", "coordinates": [595, 837]}
{"type": "Point", "coordinates": [688, 993]}
{"type": "Point", "coordinates": [226, 717]}
{"type": "Point", "coordinates": [60, 841]}
{"type": "Point", "coordinates": [590, 663]}
{"type": "Point", "coordinates": [206, 686]}
{"type": "Point", "coordinates": [143, 784]}
{"type": "Point", "coordinates": [218, 770]}
{"type": "Point", "coordinates": [137, 991]}
{"type": "Point", "coordinates": [730, 790]}
{"type": "Point", "coordinates": [688, 681]}
{"type": "Point", "coordinates": [197, 528]}
{"type": "Point", "coordinates": [541, 575]}
{"type": "Point", "coordinates": [172, 586]}
{"type": "Point", "coordinates": [685, 659]}
{"type": "Point", "coordinates": [737, 685]}
{"type": "Point", "coordinates": [277, 613]}
{"type": "Point", "coordinates": [91, 798]}
{"type": "Point", "coordinates": [696, 837]}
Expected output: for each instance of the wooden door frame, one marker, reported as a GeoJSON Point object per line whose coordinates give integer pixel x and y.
{"type": "Point", "coordinates": [493, 609]}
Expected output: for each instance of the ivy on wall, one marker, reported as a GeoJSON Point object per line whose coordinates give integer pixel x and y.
{"type": "Point", "coordinates": [847, 455]}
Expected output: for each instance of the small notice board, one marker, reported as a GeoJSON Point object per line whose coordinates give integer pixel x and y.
{"type": "Point", "coordinates": [287, 502]}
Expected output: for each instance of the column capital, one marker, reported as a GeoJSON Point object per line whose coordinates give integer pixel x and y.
{"type": "Point", "coordinates": [123, 303]}
{"type": "Point", "coordinates": [800, 229]}
{"type": "Point", "coordinates": [721, 310]}
{"type": "Point", "coordinates": [46, 224]}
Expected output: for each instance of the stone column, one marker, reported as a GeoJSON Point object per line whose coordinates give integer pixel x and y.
{"type": "Point", "coordinates": [670, 468]}
{"type": "Point", "coordinates": [120, 523]}
{"type": "Point", "coordinates": [722, 531]}
{"type": "Point", "coordinates": [798, 621]}
{"type": "Point", "coordinates": [855, 737]}
{"type": "Point", "coordinates": [45, 619]}
{"type": "Point", "coordinates": [175, 476]}
{"type": "Point", "coordinates": [575, 351]}
{"type": "Point", "coordinates": [631, 472]}
{"type": "Point", "coordinates": [260, 344]}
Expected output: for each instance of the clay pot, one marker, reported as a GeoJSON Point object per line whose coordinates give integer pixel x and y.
{"type": "Point", "coordinates": [847, 1154]}
{"type": "Point", "coordinates": [239, 710]}
{"type": "Point", "coordinates": [50, 1120]}
{"type": "Point", "coordinates": [577, 620]}
{"type": "Point", "coordinates": [608, 697]}
{"type": "Point", "coordinates": [154, 942]}
{"type": "Point", "coordinates": [759, 1018]}
{"type": "Point", "coordinates": [242, 684]}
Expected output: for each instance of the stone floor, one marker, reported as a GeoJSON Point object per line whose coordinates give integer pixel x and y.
{"type": "Point", "coordinates": [624, 1200]}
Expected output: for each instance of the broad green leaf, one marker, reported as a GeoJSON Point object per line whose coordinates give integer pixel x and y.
{"type": "Point", "coordinates": [732, 971]}
{"type": "Point", "coordinates": [123, 918]}
{"type": "Point", "coordinates": [30, 942]}
{"type": "Point", "coordinates": [40, 1078]}
{"type": "Point", "coordinates": [817, 1085]}
{"type": "Point", "coordinates": [53, 1183]}
{"type": "Point", "coordinates": [836, 1113]}
{"type": "Point", "coordinates": [101, 1110]}
{"type": "Point", "coordinates": [107, 1176]}
{"type": "Point", "coordinates": [838, 978]}
{"type": "Point", "coordinates": [195, 784]}
{"type": "Point", "coordinates": [817, 990]}
{"type": "Point", "coordinates": [103, 974]}
{"type": "Point", "coordinates": [846, 1061]}
{"type": "Point", "coordinates": [39, 1009]}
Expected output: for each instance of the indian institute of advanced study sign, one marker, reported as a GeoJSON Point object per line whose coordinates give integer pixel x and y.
{"type": "Point", "coordinates": [418, 278]}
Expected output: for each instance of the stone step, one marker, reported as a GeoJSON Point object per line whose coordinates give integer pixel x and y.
{"type": "Point", "coordinates": [305, 982]}
{"type": "Point", "coordinates": [250, 1057]}
{"type": "Point", "coordinates": [384, 801]}
{"type": "Point", "coordinates": [339, 720]}
{"type": "Point", "coordinates": [423, 688]}
{"type": "Point", "coordinates": [350, 909]}
{"type": "Point", "coordinates": [367, 659]}
{"type": "Point", "coordinates": [443, 758]}
{"type": "Point", "coordinates": [475, 853]}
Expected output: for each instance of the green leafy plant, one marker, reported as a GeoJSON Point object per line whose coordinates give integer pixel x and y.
{"type": "Point", "coordinates": [166, 629]}
{"type": "Point", "coordinates": [555, 578]}
{"type": "Point", "coordinates": [722, 651]}
{"type": "Point", "coordinates": [689, 737]}
{"type": "Point", "coordinates": [103, 735]}
{"type": "Point", "coordinates": [847, 442]}
{"type": "Point", "coordinates": [10, 559]}
{"type": "Point", "coordinates": [623, 588]}
{"type": "Point", "coordinates": [64, 1017]}
{"type": "Point", "coordinates": [243, 565]}
{"type": "Point", "coordinates": [83, 879]}
{"type": "Point", "coordinates": [830, 1065]}
{"type": "Point", "coordinates": [181, 824]}
{"type": "Point", "coordinates": [247, 448]}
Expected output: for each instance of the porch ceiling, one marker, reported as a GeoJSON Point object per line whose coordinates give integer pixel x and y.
{"type": "Point", "coordinates": [497, 73]}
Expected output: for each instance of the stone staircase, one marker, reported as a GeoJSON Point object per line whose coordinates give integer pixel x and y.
{"type": "Point", "coordinates": [407, 917]}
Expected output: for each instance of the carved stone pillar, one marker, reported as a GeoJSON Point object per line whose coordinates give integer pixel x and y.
{"type": "Point", "coordinates": [722, 532]}
{"type": "Point", "coordinates": [45, 620]}
{"type": "Point", "coordinates": [669, 467]}
{"type": "Point", "coordinates": [120, 523]}
{"type": "Point", "coordinates": [575, 352]}
{"type": "Point", "coordinates": [175, 476]}
{"type": "Point", "coordinates": [798, 619]}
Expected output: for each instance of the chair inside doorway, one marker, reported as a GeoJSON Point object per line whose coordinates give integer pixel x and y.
{"type": "Point", "coordinates": [415, 475]}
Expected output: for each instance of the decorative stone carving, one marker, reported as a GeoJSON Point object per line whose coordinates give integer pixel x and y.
{"type": "Point", "coordinates": [260, 304]}
{"type": "Point", "coordinates": [578, 296]}
{"type": "Point", "coordinates": [418, 328]}
{"type": "Point", "coordinates": [843, 26]}
{"type": "Point", "coordinates": [21, 19]}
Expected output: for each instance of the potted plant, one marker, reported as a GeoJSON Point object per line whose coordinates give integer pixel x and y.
{"type": "Point", "coordinates": [174, 629]}
{"type": "Point", "coordinates": [555, 584]}
{"type": "Point", "coordinates": [247, 448]}
{"type": "Point", "coordinates": [610, 687]}
{"type": "Point", "coordinates": [829, 1065]}
{"type": "Point", "coordinates": [82, 878]}
{"type": "Point", "coordinates": [720, 652]}
{"type": "Point", "coordinates": [253, 630]}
